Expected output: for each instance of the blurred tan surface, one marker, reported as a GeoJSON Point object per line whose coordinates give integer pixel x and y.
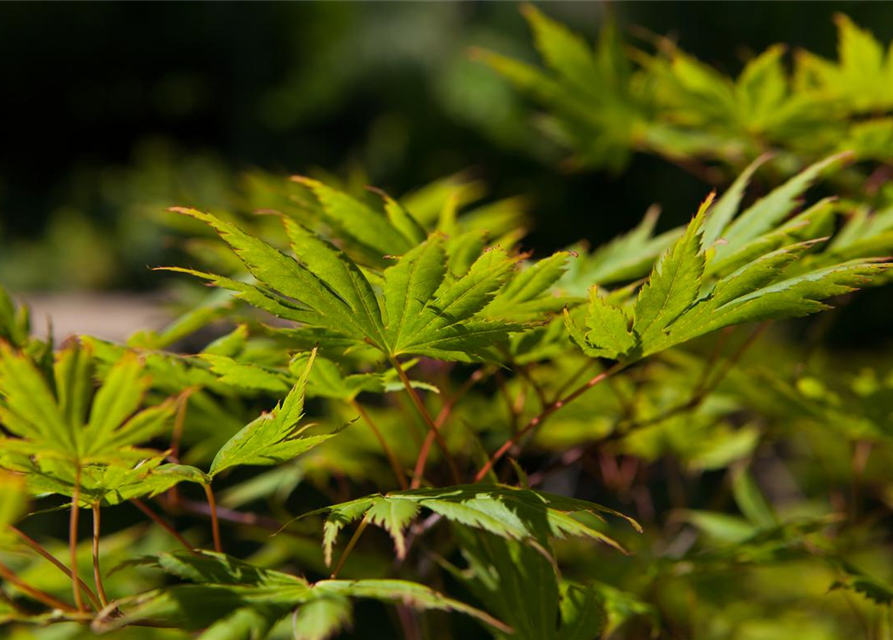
{"type": "Point", "coordinates": [112, 316]}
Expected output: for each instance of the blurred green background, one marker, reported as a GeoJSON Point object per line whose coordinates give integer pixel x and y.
{"type": "Point", "coordinates": [112, 111]}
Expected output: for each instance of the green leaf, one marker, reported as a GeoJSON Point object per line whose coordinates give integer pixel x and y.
{"type": "Point", "coordinates": [528, 294]}
{"type": "Point", "coordinates": [117, 399]}
{"type": "Point", "coordinates": [428, 308]}
{"type": "Point", "coordinates": [411, 594]}
{"type": "Point", "coordinates": [791, 298]}
{"type": "Point", "coordinates": [394, 516]}
{"type": "Point", "coordinates": [582, 614]}
{"type": "Point", "coordinates": [323, 617]}
{"type": "Point", "coordinates": [410, 284]}
{"type": "Point", "coordinates": [341, 275]}
{"type": "Point", "coordinates": [13, 502]}
{"type": "Point", "coordinates": [228, 588]}
{"type": "Point", "coordinates": [29, 409]}
{"type": "Point", "coordinates": [273, 438]}
{"type": "Point", "coordinates": [208, 567]}
{"type": "Point", "coordinates": [245, 375]}
{"type": "Point", "coordinates": [609, 334]}
{"type": "Point", "coordinates": [14, 322]}
{"type": "Point", "coordinates": [245, 623]}
{"type": "Point", "coordinates": [727, 205]}
{"type": "Point", "coordinates": [518, 514]}
{"type": "Point", "coordinates": [871, 588]}
{"type": "Point", "coordinates": [674, 284]}
{"type": "Point", "coordinates": [751, 501]}
{"type": "Point", "coordinates": [681, 301]}
{"type": "Point", "coordinates": [373, 232]}
{"type": "Point", "coordinates": [446, 326]}
{"type": "Point", "coordinates": [285, 275]}
{"type": "Point", "coordinates": [767, 212]}
{"type": "Point", "coordinates": [627, 257]}
{"type": "Point", "coordinates": [515, 582]}
{"type": "Point", "coordinates": [564, 51]}
{"type": "Point", "coordinates": [403, 221]}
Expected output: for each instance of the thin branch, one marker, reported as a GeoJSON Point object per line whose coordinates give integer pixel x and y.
{"type": "Point", "coordinates": [350, 545]}
{"type": "Point", "coordinates": [44, 553]}
{"type": "Point", "coordinates": [51, 601]}
{"type": "Point", "coordinates": [73, 537]}
{"type": "Point", "coordinates": [173, 494]}
{"type": "Point", "coordinates": [97, 573]}
{"type": "Point", "coordinates": [539, 419]}
{"type": "Point", "coordinates": [392, 459]}
{"type": "Point", "coordinates": [432, 427]}
{"type": "Point", "coordinates": [154, 517]}
{"type": "Point", "coordinates": [447, 408]}
{"type": "Point", "coordinates": [231, 515]}
{"type": "Point", "coordinates": [215, 524]}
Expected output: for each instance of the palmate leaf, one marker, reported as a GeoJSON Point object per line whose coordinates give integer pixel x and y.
{"type": "Point", "coordinates": [518, 514]}
{"type": "Point", "coordinates": [427, 304]}
{"type": "Point", "coordinates": [233, 597]}
{"type": "Point", "coordinates": [765, 214]}
{"type": "Point", "coordinates": [323, 618]}
{"type": "Point", "coordinates": [55, 423]}
{"type": "Point", "coordinates": [274, 438]}
{"type": "Point", "coordinates": [375, 235]}
{"type": "Point", "coordinates": [71, 441]}
{"type": "Point", "coordinates": [134, 473]}
{"type": "Point", "coordinates": [246, 375]}
{"type": "Point", "coordinates": [588, 92]}
{"type": "Point", "coordinates": [526, 296]}
{"type": "Point", "coordinates": [682, 301]}
{"type": "Point", "coordinates": [863, 77]}
{"type": "Point", "coordinates": [427, 316]}
{"type": "Point", "coordinates": [730, 237]}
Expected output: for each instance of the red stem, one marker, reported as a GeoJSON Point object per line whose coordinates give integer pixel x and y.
{"type": "Point", "coordinates": [41, 551]}
{"type": "Point", "coordinates": [97, 573]}
{"type": "Point", "coordinates": [51, 601]}
{"type": "Point", "coordinates": [392, 459]}
{"type": "Point", "coordinates": [73, 537]}
{"type": "Point", "coordinates": [154, 517]}
{"type": "Point", "coordinates": [419, 472]}
{"type": "Point", "coordinates": [538, 420]}
{"type": "Point", "coordinates": [215, 524]}
{"type": "Point", "coordinates": [432, 427]}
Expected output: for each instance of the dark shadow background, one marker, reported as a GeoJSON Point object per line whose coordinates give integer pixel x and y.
{"type": "Point", "coordinates": [110, 111]}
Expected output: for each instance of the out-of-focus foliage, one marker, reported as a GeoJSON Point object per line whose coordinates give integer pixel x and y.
{"type": "Point", "coordinates": [611, 100]}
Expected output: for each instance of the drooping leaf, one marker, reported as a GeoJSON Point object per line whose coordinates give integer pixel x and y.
{"type": "Point", "coordinates": [518, 514]}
